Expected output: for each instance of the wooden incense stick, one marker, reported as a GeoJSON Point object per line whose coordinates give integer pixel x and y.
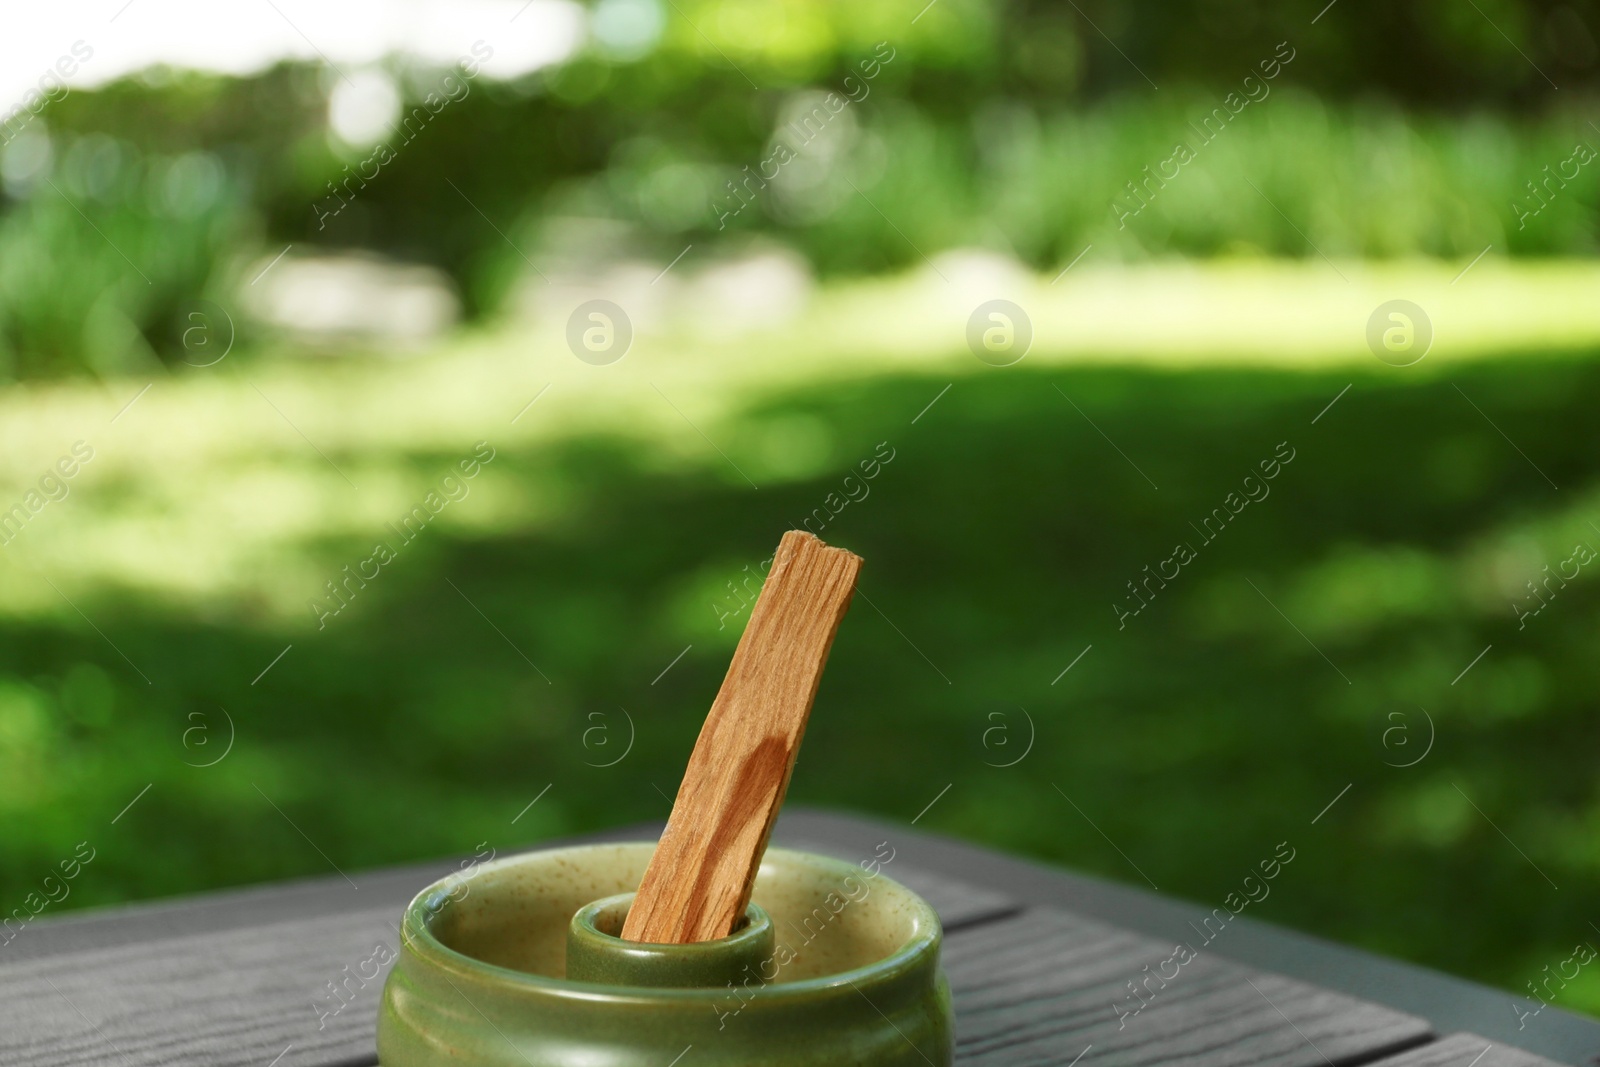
{"type": "Point", "coordinates": [698, 883]}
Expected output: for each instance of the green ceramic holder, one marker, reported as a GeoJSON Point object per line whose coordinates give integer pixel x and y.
{"type": "Point", "coordinates": [519, 966]}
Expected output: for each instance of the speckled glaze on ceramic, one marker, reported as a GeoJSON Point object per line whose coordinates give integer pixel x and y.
{"type": "Point", "coordinates": [481, 981]}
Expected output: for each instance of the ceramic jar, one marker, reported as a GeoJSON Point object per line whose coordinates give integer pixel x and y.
{"type": "Point", "coordinates": [520, 966]}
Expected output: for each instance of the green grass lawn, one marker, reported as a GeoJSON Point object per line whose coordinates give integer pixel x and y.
{"type": "Point", "coordinates": [511, 643]}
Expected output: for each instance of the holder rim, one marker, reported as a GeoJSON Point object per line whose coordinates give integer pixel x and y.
{"type": "Point", "coordinates": [418, 937]}
{"type": "Point", "coordinates": [594, 950]}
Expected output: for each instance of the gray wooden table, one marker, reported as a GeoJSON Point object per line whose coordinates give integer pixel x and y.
{"type": "Point", "coordinates": [1037, 959]}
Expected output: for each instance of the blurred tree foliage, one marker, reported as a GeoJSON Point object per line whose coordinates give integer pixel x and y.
{"type": "Point", "coordinates": [1412, 128]}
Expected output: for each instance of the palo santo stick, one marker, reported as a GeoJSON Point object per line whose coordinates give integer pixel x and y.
{"type": "Point", "coordinates": [698, 883]}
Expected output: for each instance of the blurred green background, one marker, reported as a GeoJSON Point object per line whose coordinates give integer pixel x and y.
{"type": "Point", "coordinates": [267, 383]}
